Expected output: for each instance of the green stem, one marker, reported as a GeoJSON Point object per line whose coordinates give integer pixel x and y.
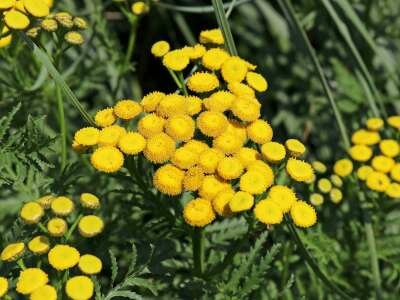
{"type": "Point", "coordinates": [131, 42]}
{"type": "Point", "coordinates": [72, 229]}
{"type": "Point", "coordinates": [63, 130]}
{"type": "Point", "coordinates": [183, 85]}
{"type": "Point", "coordinates": [198, 251]}
{"type": "Point", "coordinates": [20, 263]}
{"type": "Point", "coordinates": [176, 79]}
{"type": "Point", "coordinates": [42, 227]}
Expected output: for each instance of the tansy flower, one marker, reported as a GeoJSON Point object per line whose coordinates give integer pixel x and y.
{"type": "Point", "coordinates": [343, 167]}
{"type": "Point", "coordinates": [257, 81]}
{"type": "Point", "coordinates": [209, 160]}
{"type": "Point", "coordinates": [171, 105]}
{"type": "Point", "coordinates": [127, 109]}
{"type": "Point", "coordinates": [324, 185]}
{"type": "Point", "coordinates": [15, 15]}
{"type": "Point", "coordinates": [262, 167]}
{"type": "Point", "coordinates": [64, 19]}
{"type": "Point", "coordinates": [214, 58]}
{"type": "Point", "coordinates": [241, 90]}
{"type": "Point", "coordinates": [132, 143]}
{"type": "Point", "coordinates": [88, 136]}
{"type": "Point", "coordinates": [89, 200]}
{"type": "Point", "coordinates": [3, 286]}
{"type": "Point", "coordinates": [299, 170]}
{"type": "Point", "coordinates": [31, 212]}
{"type": "Point", "coordinates": [365, 137]}
{"type": "Point", "coordinates": [159, 148]}
{"type": "Point", "coordinates": [395, 172]}
{"type": "Point", "coordinates": [90, 226]}
{"type": "Point", "coordinates": [319, 167]}
{"type": "Point", "coordinates": [382, 163]}
{"type": "Point", "coordinates": [198, 51]}
{"type": "Point", "coordinates": [109, 136]}
{"type": "Point", "coordinates": [63, 257]}
{"type": "Point", "coordinates": [184, 158]}
{"type": "Point", "coordinates": [49, 25]}
{"type": "Point", "coordinates": [336, 180]}
{"type": "Point", "coordinates": [139, 8]}
{"type": "Point", "coordinates": [202, 82]}
{"type": "Point", "coordinates": [273, 152]}
{"type": "Point", "coordinates": [316, 199]}
{"type": "Point", "coordinates": [255, 182]}
{"type": "Point", "coordinates": [193, 105]}
{"type": "Point", "coordinates": [389, 148]}
{"type": "Point", "coordinates": [193, 178]}
{"type": "Point", "coordinates": [90, 264]}
{"type": "Point", "coordinates": [74, 38]}
{"type": "Point", "coordinates": [241, 201]}
{"type": "Point", "coordinates": [180, 127]}
{"type": "Point", "coordinates": [105, 117]}
{"type": "Point", "coordinates": [151, 125]}
{"type": "Point", "coordinates": [377, 181]}
{"type": "Point", "coordinates": [79, 287]}
{"type": "Point", "coordinates": [259, 132]}
{"type": "Point", "coordinates": [39, 245]}
{"type": "Point", "coordinates": [247, 156]}
{"type": "Point", "coordinates": [12, 251]}
{"type": "Point", "coordinates": [57, 227]}
{"type": "Point", "coordinates": [394, 121]}
{"type": "Point", "coordinates": [176, 60]}
{"type": "Point", "coordinates": [212, 36]}
{"type": "Point", "coordinates": [30, 280]}
{"type": "Point", "coordinates": [246, 109]}
{"type": "Point", "coordinates": [211, 186]}
{"type": "Point", "coordinates": [283, 196]}
{"type": "Point", "coordinates": [196, 146]}
{"type": "Point", "coordinates": [374, 123]}
{"type": "Point", "coordinates": [160, 48]}
{"type": "Point", "coordinates": [221, 202]}
{"type": "Point", "coordinates": [268, 212]}
{"type": "Point", "coordinates": [62, 206]}
{"type": "Point", "coordinates": [295, 147]}
{"type": "Point", "coordinates": [230, 168]}
{"type": "Point", "coordinates": [219, 101]}
{"type": "Point", "coordinates": [6, 40]}
{"type": "Point", "coordinates": [45, 201]}
{"type": "Point", "coordinates": [199, 212]}
{"type": "Point", "coordinates": [80, 23]}
{"type": "Point", "coordinates": [393, 190]}
{"type": "Point", "coordinates": [363, 172]}
{"type": "Point", "coordinates": [33, 32]}
{"type": "Point", "coordinates": [228, 143]}
{"type": "Point", "coordinates": [360, 153]}
{"type": "Point", "coordinates": [150, 102]}
{"type": "Point", "coordinates": [168, 179]}
{"type": "Point", "coordinates": [238, 129]}
{"type": "Point", "coordinates": [303, 214]}
{"type": "Point", "coordinates": [234, 69]}
{"type": "Point", "coordinates": [47, 292]}
{"type": "Point", "coordinates": [107, 159]}
{"type": "Point", "coordinates": [336, 195]}
{"type": "Point", "coordinates": [212, 123]}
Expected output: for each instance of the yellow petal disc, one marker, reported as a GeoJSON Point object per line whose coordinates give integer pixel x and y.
{"type": "Point", "coordinates": [16, 20]}
{"type": "Point", "coordinates": [37, 8]}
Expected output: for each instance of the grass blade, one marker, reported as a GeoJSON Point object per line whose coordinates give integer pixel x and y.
{"type": "Point", "coordinates": [224, 26]}
{"type": "Point", "coordinates": [198, 9]}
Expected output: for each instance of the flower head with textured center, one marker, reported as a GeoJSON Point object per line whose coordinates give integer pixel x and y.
{"type": "Point", "coordinates": [63, 257]}
{"type": "Point", "coordinates": [303, 214]}
{"type": "Point", "coordinates": [268, 212]}
{"type": "Point", "coordinates": [31, 212]}
{"type": "Point", "coordinates": [3, 286]}
{"type": "Point", "coordinates": [199, 212]}
{"type": "Point", "coordinates": [90, 226]}
{"type": "Point", "coordinates": [12, 251]}
{"type": "Point", "coordinates": [79, 287]}
{"type": "Point", "coordinates": [343, 167]}
{"type": "Point", "coordinates": [47, 292]}
{"type": "Point", "coordinates": [30, 280]}
{"type": "Point", "coordinates": [283, 196]}
{"type": "Point", "coordinates": [299, 170]}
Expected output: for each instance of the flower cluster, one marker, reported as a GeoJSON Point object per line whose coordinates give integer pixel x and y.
{"type": "Point", "coordinates": [52, 221]}
{"type": "Point", "coordinates": [139, 8]}
{"type": "Point", "coordinates": [211, 143]}
{"type": "Point", "coordinates": [375, 152]}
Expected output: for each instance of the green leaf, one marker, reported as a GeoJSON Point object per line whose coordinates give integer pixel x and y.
{"type": "Point", "coordinates": [114, 267]}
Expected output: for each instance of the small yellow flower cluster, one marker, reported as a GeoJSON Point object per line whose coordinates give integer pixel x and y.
{"type": "Point", "coordinates": [375, 150]}
{"type": "Point", "coordinates": [61, 256]}
{"type": "Point", "coordinates": [207, 142]}
{"type": "Point", "coordinates": [139, 8]}
{"type": "Point", "coordinates": [322, 185]}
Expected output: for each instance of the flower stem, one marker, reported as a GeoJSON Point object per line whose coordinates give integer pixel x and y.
{"type": "Point", "coordinates": [183, 85]}
{"type": "Point", "coordinates": [72, 229]}
{"type": "Point", "coordinates": [21, 264]}
{"type": "Point", "coordinates": [374, 259]}
{"type": "Point", "coordinates": [63, 130]}
{"type": "Point", "coordinates": [198, 251]}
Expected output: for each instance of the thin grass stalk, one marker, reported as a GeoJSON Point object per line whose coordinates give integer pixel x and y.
{"type": "Point", "coordinates": [184, 28]}
{"type": "Point", "coordinates": [63, 127]}
{"type": "Point", "coordinates": [193, 9]}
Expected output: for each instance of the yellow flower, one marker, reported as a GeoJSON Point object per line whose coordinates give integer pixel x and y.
{"type": "Point", "coordinates": [363, 172]}
{"type": "Point", "coordinates": [211, 186]}
{"type": "Point", "coordinates": [30, 280]}
{"type": "Point", "coordinates": [6, 40]}
{"type": "Point", "coordinates": [336, 195]}
{"type": "Point", "coordinates": [230, 168]}
{"type": "Point", "coordinates": [394, 121]}
{"type": "Point", "coordinates": [319, 167]}
{"type": "Point", "coordinates": [295, 147]}
{"type": "Point", "coordinates": [193, 179]}
{"type": "Point", "coordinates": [171, 105]}
{"type": "Point", "coordinates": [389, 148]}
{"type": "Point", "coordinates": [168, 179]}
{"type": "Point", "coordinates": [212, 123]}
{"type": "Point", "coordinates": [255, 182]}
{"type": "Point", "coordinates": [74, 38]}
{"type": "Point", "coordinates": [57, 227]}
{"type": "Point", "coordinates": [176, 60]}
{"type": "Point", "coordinates": [62, 206]}
{"type": "Point", "coordinates": [89, 200]}
{"type": "Point", "coordinates": [241, 201]}
{"type": "Point", "coordinates": [139, 8]}
{"type": "Point", "coordinates": [105, 117]}
{"type": "Point", "coordinates": [247, 156]}
{"type": "Point", "coordinates": [193, 105]}
{"type": "Point", "coordinates": [47, 292]}
{"type": "Point", "coordinates": [214, 58]}
{"type": "Point", "coordinates": [202, 82]}
{"type": "Point", "coordinates": [39, 245]}
{"type": "Point", "coordinates": [90, 264]}
{"type": "Point", "coordinates": [221, 202]}
{"type": "Point", "coordinates": [246, 109]}
{"type": "Point", "coordinates": [184, 158]}
{"type": "Point", "coordinates": [12, 251]}
{"type": "Point", "coordinates": [7, 4]}
{"type": "Point", "coordinates": [212, 36]}
{"type": "Point", "coordinates": [259, 132]}
{"type": "Point", "coordinates": [79, 288]}
{"type": "Point", "coordinates": [199, 212]}
{"type": "Point", "coordinates": [234, 69]}
{"type": "Point", "coordinates": [360, 153]}
{"type": "Point", "coordinates": [374, 123]}
{"type": "Point", "coordinates": [50, 25]}
{"type": "Point", "coordinates": [228, 143]}
{"type": "Point", "coordinates": [383, 164]}
{"type": "Point", "coordinates": [63, 257]}
{"type": "Point", "coordinates": [90, 226]}
{"type": "Point", "coordinates": [127, 109]}
{"type": "Point", "coordinates": [268, 212]}
{"type": "Point", "coordinates": [88, 136]}
{"type": "Point", "coordinates": [150, 102]}
{"type": "Point", "coordinates": [299, 170]}
{"type": "Point", "coordinates": [132, 143]}
{"type": "Point", "coordinates": [109, 136]}
{"type": "Point", "coordinates": [219, 101]}
{"type": "Point", "coordinates": [80, 23]}
{"type": "Point", "coordinates": [283, 196]}
{"type": "Point", "coordinates": [107, 159]}
{"type": "Point", "coordinates": [65, 19]}
{"type": "Point", "coordinates": [343, 167]}
{"type": "Point", "coordinates": [151, 125]}
{"type": "Point", "coordinates": [196, 146]}
{"type": "Point", "coordinates": [273, 152]}
{"type": "Point", "coordinates": [180, 127]}
{"type": "Point", "coordinates": [160, 148]}
{"type": "Point", "coordinates": [238, 129]}
{"type": "Point", "coordinates": [160, 48]}
{"type": "Point", "coordinates": [45, 201]}
{"type": "Point", "coordinates": [395, 172]}
{"type": "Point", "coordinates": [316, 199]}
{"type": "Point", "coordinates": [324, 185]}
{"type": "Point", "coordinates": [257, 81]}
{"type": "Point", "coordinates": [262, 167]}
{"type": "Point", "coordinates": [365, 137]}
{"type": "Point", "coordinates": [303, 214]}
{"type": "Point", "coordinates": [336, 180]}
{"type": "Point", "coordinates": [393, 190]}
{"type": "Point", "coordinates": [3, 286]}
{"type": "Point", "coordinates": [198, 51]}
{"type": "Point", "coordinates": [241, 90]}
{"type": "Point", "coordinates": [209, 160]}
{"type": "Point", "coordinates": [15, 19]}
{"type": "Point", "coordinates": [31, 212]}
{"type": "Point", "coordinates": [377, 181]}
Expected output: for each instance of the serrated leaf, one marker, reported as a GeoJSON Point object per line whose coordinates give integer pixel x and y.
{"type": "Point", "coordinates": [114, 267]}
